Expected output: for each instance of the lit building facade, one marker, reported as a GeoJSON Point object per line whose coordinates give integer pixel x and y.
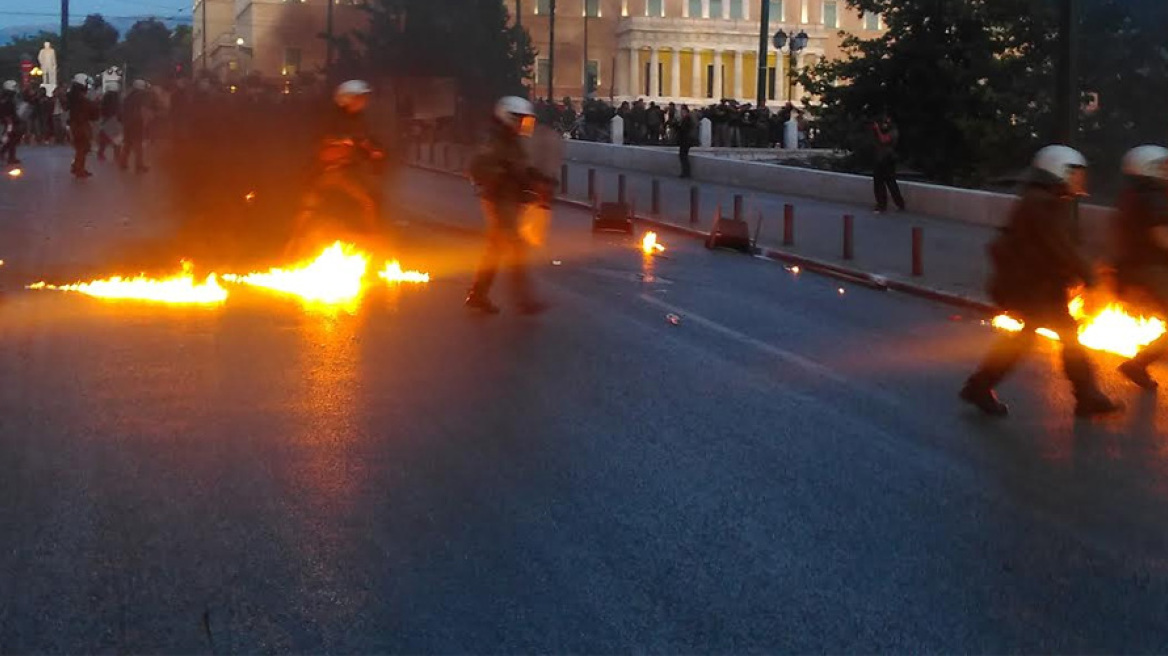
{"type": "Point", "coordinates": [685, 51]}
{"type": "Point", "coordinates": [271, 38]}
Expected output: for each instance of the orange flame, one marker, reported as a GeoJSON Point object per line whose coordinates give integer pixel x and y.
{"type": "Point", "coordinates": [649, 244]}
{"type": "Point", "coordinates": [334, 278]}
{"type": "Point", "coordinates": [180, 289]}
{"type": "Point", "coordinates": [393, 273]}
{"type": "Point", "coordinates": [1113, 329]}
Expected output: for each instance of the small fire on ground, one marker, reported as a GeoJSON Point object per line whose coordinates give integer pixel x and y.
{"type": "Point", "coordinates": [336, 278]}
{"type": "Point", "coordinates": [649, 244]}
{"type": "Point", "coordinates": [180, 289]}
{"type": "Point", "coordinates": [1113, 329]}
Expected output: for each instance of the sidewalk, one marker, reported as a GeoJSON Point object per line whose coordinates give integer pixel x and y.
{"type": "Point", "coordinates": [953, 253]}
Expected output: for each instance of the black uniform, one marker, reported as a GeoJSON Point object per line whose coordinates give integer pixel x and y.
{"type": "Point", "coordinates": [507, 183]}
{"type": "Point", "coordinates": [884, 178]}
{"type": "Point", "coordinates": [349, 163]}
{"type": "Point", "coordinates": [1141, 264]}
{"type": "Point", "coordinates": [82, 113]}
{"type": "Point", "coordinates": [134, 125]}
{"type": "Point", "coordinates": [1035, 263]}
{"type": "Point", "coordinates": [10, 126]}
{"type": "Point", "coordinates": [685, 140]}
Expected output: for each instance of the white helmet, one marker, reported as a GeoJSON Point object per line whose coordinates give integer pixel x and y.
{"type": "Point", "coordinates": [10, 85]}
{"type": "Point", "coordinates": [349, 89]}
{"type": "Point", "coordinates": [511, 110]}
{"type": "Point", "coordinates": [1059, 161]}
{"type": "Point", "coordinates": [1147, 162]}
{"type": "Point", "coordinates": [82, 79]}
{"type": "Point", "coordinates": [140, 85]}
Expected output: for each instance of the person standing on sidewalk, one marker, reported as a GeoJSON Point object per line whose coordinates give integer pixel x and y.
{"type": "Point", "coordinates": [1034, 265]}
{"type": "Point", "coordinates": [507, 181]}
{"type": "Point", "coordinates": [134, 109]}
{"type": "Point", "coordinates": [887, 138]}
{"type": "Point", "coordinates": [1141, 265]}
{"type": "Point", "coordinates": [685, 128]}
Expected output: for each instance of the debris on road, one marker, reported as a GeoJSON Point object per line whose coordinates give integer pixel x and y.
{"type": "Point", "coordinates": [673, 319]}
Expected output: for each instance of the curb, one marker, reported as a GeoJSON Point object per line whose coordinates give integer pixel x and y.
{"type": "Point", "coordinates": [855, 276]}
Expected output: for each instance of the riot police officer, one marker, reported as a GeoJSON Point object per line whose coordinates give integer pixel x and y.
{"type": "Point", "coordinates": [348, 159]}
{"type": "Point", "coordinates": [1035, 263]}
{"type": "Point", "coordinates": [507, 182]}
{"type": "Point", "coordinates": [11, 131]}
{"type": "Point", "coordinates": [82, 112]}
{"type": "Point", "coordinates": [1141, 228]}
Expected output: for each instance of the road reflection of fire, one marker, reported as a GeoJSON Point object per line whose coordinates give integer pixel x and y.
{"type": "Point", "coordinates": [1113, 329]}
{"type": "Point", "coordinates": [179, 289]}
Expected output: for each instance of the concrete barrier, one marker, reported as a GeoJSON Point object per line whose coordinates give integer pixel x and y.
{"type": "Point", "coordinates": [963, 205]}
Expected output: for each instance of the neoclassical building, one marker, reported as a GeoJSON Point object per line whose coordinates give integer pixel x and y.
{"type": "Point", "coordinates": [686, 51]}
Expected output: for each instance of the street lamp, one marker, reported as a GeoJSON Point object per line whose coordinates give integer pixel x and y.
{"type": "Point", "coordinates": [797, 43]}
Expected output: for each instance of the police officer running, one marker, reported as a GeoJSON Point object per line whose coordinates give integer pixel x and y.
{"type": "Point", "coordinates": [1141, 228]}
{"type": "Point", "coordinates": [10, 122]}
{"type": "Point", "coordinates": [1034, 265]}
{"type": "Point", "coordinates": [507, 182]}
{"type": "Point", "coordinates": [346, 151]}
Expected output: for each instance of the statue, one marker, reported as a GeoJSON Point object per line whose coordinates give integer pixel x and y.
{"type": "Point", "coordinates": [48, 62]}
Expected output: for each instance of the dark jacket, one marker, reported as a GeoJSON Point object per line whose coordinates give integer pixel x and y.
{"type": "Point", "coordinates": [685, 131]}
{"type": "Point", "coordinates": [501, 169]}
{"type": "Point", "coordinates": [82, 111]}
{"type": "Point", "coordinates": [347, 141]}
{"type": "Point", "coordinates": [1142, 207]}
{"type": "Point", "coordinates": [1034, 259]}
{"type": "Point", "coordinates": [134, 114]}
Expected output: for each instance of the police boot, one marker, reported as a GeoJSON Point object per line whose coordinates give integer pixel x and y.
{"type": "Point", "coordinates": [480, 302]}
{"type": "Point", "coordinates": [982, 397]}
{"type": "Point", "coordinates": [1137, 372]}
{"type": "Point", "coordinates": [1094, 404]}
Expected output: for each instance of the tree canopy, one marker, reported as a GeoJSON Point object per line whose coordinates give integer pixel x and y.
{"type": "Point", "coordinates": [972, 84]}
{"type": "Point", "coordinates": [467, 40]}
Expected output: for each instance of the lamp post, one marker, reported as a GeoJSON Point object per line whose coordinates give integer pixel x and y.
{"type": "Point", "coordinates": [1068, 100]}
{"type": "Point", "coordinates": [587, 70]}
{"type": "Point", "coordinates": [763, 31]}
{"type": "Point", "coordinates": [795, 45]}
{"type": "Point", "coordinates": [551, 93]}
{"type": "Point", "coordinates": [64, 54]}
{"type": "Point", "coordinates": [328, 51]}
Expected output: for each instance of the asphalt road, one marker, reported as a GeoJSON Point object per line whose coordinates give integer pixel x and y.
{"type": "Point", "coordinates": [785, 470]}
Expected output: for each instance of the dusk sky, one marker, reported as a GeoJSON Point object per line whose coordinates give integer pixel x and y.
{"type": "Point", "coordinates": [35, 12]}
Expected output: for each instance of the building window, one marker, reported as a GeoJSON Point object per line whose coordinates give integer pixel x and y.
{"type": "Point", "coordinates": [777, 15]}
{"type": "Point", "coordinates": [592, 77]}
{"type": "Point", "coordinates": [695, 8]}
{"type": "Point", "coordinates": [542, 71]}
{"type": "Point", "coordinates": [871, 21]}
{"type": "Point", "coordinates": [543, 7]}
{"type": "Point", "coordinates": [830, 13]}
{"type": "Point", "coordinates": [592, 8]}
{"type": "Point", "coordinates": [737, 10]}
{"type": "Point", "coordinates": [716, 8]}
{"type": "Point", "coordinates": [655, 8]}
{"type": "Point", "coordinates": [291, 61]}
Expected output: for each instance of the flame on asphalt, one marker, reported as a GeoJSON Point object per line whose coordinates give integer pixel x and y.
{"type": "Point", "coordinates": [1113, 329]}
{"type": "Point", "coordinates": [393, 273]}
{"type": "Point", "coordinates": [179, 289]}
{"type": "Point", "coordinates": [649, 244]}
{"type": "Point", "coordinates": [335, 277]}
{"type": "Point", "coordinates": [15, 173]}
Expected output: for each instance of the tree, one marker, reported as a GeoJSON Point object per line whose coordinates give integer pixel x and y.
{"type": "Point", "coordinates": [969, 84]}
{"type": "Point", "coordinates": [148, 50]}
{"type": "Point", "coordinates": [467, 40]}
{"type": "Point", "coordinates": [972, 84]}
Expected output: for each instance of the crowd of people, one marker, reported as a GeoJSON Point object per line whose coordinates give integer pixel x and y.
{"type": "Point", "coordinates": [734, 124]}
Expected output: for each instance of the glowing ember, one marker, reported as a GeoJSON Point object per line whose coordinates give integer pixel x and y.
{"type": "Point", "coordinates": [649, 244]}
{"type": "Point", "coordinates": [250, 196]}
{"type": "Point", "coordinates": [393, 273]}
{"type": "Point", "coordinates": [180, 289]}
{"type": "Point", "coordinates": [334, 277]}
{"type": "Point", "coordinates": [15, 173]}
{"type": "Point", "coordinates": [1113, 329]}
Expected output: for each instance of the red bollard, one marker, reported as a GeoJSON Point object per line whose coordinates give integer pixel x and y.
{"type": "Point", "coordinates": [849, 252]}
{"type": "Point", "coordinates": [564, 179]}
{"type": "Point", "coordinates": [918, 251]}
{"type": "Point", "coordinates": [694, 204]}
{"type": "Point", "coordinates": [738, 211]}
{"type": "Point", "coordinates": [621, 188]}
{"type": "Point", "coordinates": [592, 185]}
{"type": "Point", "coordinates": [788, 225]}
{"type": "Point", "coordinates": [655, 199]}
